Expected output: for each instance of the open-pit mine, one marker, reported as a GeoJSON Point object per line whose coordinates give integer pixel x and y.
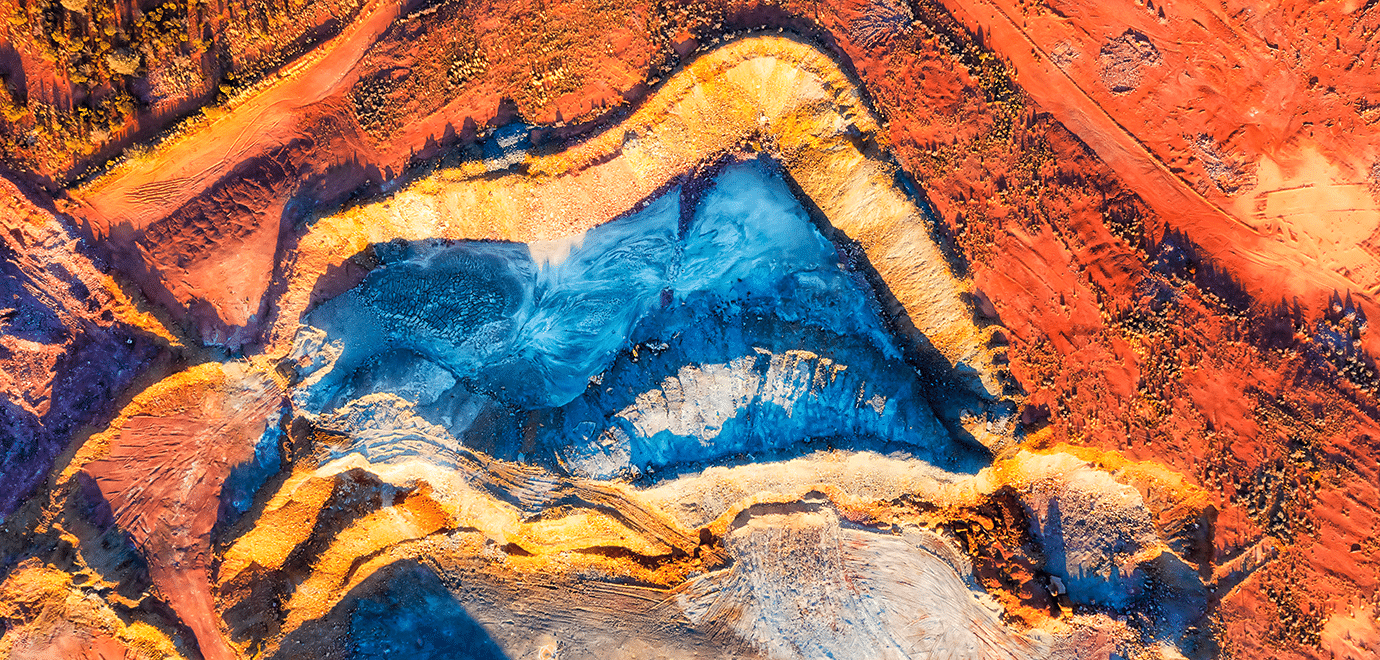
{"type": "Point", "coordinates": [624, 330]}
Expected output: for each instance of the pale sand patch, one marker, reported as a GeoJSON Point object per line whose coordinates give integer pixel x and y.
{"type": "Point", "coordinates": [1320, 208]}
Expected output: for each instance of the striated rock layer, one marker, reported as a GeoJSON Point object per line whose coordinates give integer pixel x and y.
{"type": "Point", "coordinates": [507, 330]}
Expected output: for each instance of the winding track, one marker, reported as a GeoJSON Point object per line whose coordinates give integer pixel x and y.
{"type": "Point", "coordinates": [197, 159]}
{"type": "Point", "coordinates": [118, 205]}
{"type": "Point", "coordinates": [1268, 268]}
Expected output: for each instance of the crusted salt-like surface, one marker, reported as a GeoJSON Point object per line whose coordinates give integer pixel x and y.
{"type": "Point", "coordinates": [803, 587]}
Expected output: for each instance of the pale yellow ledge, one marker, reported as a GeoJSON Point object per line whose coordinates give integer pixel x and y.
{"type": "Point", "coordinates": [772, 94]}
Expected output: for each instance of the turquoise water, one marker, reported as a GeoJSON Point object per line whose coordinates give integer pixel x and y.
{"type": "Point", "coordinates": [665, 338]}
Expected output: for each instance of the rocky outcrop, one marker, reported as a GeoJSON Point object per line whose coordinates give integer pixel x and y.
{"type": "Point", "coordinates": [71, 342]}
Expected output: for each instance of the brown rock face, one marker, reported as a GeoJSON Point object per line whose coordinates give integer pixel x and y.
{"type": "Point", "coordinates": [70, 341]}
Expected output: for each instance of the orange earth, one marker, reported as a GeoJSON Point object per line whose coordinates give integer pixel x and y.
{"type": "Point", "coordinates": [1168, 215]}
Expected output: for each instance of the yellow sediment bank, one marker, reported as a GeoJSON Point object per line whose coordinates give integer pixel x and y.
{"type": "Point", "coordinates": [773, 94]}
{"type": "Point", "coordinates": [449, 506]}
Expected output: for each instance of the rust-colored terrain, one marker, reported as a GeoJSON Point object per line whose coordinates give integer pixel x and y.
{"type": "Point", "coordinates": [854, 329]}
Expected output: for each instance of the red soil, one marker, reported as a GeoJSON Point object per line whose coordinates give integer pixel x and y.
{"type": "Point", "coordinates": [162, 476]}
{"type": "Point", "coordinates": [1137, 266]}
